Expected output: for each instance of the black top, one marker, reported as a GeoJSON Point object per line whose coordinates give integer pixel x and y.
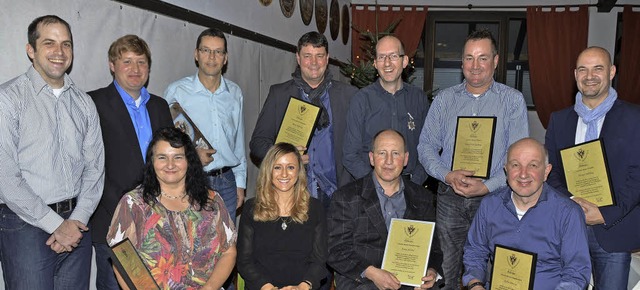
{"type": "Point", "coordinates": [267, 253]}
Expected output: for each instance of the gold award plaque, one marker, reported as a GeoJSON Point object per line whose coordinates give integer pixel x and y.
{"type": "Point", "coordinates": [586, 172]}
{"type": "Point", "coordinates": [473, 147]}
{"type": "Point", "coordinates": [298, 122]}
{"type": "Point", "coordinates": [513, 269]}
{"type": "Point", "coordinates": [131, 267]}
{"type": "Point", "coordinates": [406, 253]}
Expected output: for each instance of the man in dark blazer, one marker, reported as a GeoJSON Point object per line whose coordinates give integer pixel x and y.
{"type": "Point", "coordinates": [311, 82]}
{"type": "Point", "coordinates": [358, 225]}
{"type": "Point", "coordinates": [128, 116]}
{"type": "Point", "coordinates": [597, 113]}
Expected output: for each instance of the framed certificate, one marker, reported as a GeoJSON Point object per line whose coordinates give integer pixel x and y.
{"type": "Point", "coordinates": [586, 172]}
{"type": "Point", "coordinates": [131, 267]}
{"type": "Point", "coordinates": [473, 147]}
{"type": "Point", "coordinates": [298, 123]}
{"type": "Point", "coordinates": [513, 269]}
{"type": "Point", "coordinates": [183, 122]}
{"type": "Point", "coordinates": [407, 250]}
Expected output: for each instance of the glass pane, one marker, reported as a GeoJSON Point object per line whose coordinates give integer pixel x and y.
{"type": "Point", "coordinates": [449, 44]}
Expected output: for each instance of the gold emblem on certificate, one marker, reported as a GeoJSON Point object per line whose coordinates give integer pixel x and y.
{"type": "Point", "coordinates": [298, 122]}
{"type": "Point", "coordinates": [473, 147]}
{"type": "Point", "coordinates": [130, 266]}
{"type": "Point", "coordinates": [183, 122]}
{"type": "Point", "coordinates": [586, 172]}
{"type": "Point", "coordinates": [407, 250]}
{"type": "Point", "coordinates": [513, 269]}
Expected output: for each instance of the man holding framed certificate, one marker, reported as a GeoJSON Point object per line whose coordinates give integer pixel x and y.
{"type": "Point", "coordinates": [360, 218]}
{"type": "Point", "coordinates": [463, 144]}
{"type": "Point", "coordinates": [600, 116]}
{"type": "Point", "coordinates": [534, 236]}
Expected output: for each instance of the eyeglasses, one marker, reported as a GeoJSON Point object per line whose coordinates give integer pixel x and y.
{"type": "Point", "coordinates": [391, 57]}
{"type": "Point", "coordinates": [216, 52]}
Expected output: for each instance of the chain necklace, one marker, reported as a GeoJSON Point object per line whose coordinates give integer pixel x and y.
{"type": "Point", "coordinates": [173, 197]}
{"type": "Point", "coordinates": [285, 220]}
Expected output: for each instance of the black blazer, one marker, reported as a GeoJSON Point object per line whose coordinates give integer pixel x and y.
{"type": "Point", "coordinates": [270, 118]}
{"type": "Point", "coordinates": [620, 134]}
{"type": "Point", "coordinates": [358, 234]}
{"type": "Point", "coordinates": [123, 158]}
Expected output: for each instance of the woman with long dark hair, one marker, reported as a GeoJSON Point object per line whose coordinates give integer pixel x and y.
{"type": "Point", "coordinates": [181, 228]}
{"type": "Point", "coordinates": [282, 237]}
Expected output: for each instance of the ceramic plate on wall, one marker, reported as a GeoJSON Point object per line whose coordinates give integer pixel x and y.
{"type": "Point", "coordinates": [306, 11]}
{"type": "Point", "coordinates": [287, 7]}
{"type": "Point", "coordinates": [334, 19]}
{"type": "Point", "coordinates": [346, 24]}
{"type": "Point", "coordinates": [321, 15]}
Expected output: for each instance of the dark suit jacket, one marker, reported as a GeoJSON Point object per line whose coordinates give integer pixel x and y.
{"type": "Point", "coordinates": [270, 118]}
{"type": "Point", "coordinates": [123, 158]}
{"type": "Point", "coordinates": [621, 137]}
{"type": "Point", "coordinates": [358, 234]}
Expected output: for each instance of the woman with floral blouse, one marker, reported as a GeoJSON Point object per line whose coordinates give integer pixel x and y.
{"type": "Point", "coordinates": [180, 228]}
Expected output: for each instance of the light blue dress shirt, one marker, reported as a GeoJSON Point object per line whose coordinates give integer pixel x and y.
{"type": "Point", "coordinates": [219, 117]}
{"type": "Point", "coordinates": [438, 133]}
{"type": "Point", "coordinates": [139, 116]}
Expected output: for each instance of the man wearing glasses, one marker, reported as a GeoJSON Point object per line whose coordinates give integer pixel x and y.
{"type": "Point", "coordinates": [388, 103]}
{"type": "Point", "coordinates": [214, 104]}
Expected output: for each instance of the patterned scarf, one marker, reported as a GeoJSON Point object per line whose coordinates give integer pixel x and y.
{"type": "Point", "coordinates": [315, 94]}
{"type": "Point", "coordinates": [591, 117]}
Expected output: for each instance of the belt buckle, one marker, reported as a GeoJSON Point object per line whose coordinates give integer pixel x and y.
{"type": "Point", "coordinates": [64, 206]}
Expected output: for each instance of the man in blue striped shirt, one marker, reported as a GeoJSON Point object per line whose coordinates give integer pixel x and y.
{"type": "Point", "coordinates": [459, 194]}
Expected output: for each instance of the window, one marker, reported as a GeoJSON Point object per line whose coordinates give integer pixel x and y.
{"type": "Point", "coordinates": [440, 65]}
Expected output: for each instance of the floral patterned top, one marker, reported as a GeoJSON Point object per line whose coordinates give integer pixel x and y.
{"type": "Point", "coordinates": [179, 248]}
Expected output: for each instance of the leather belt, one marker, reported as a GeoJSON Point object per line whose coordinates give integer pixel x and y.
{"type": "Point", "coordinates": [64, 206]}
{"type": "Point", "coordinates": [218, 172]}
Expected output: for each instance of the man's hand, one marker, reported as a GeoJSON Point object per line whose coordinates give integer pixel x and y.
{"type": "Point", "coordinates": [67, 236]}
{"type": "Point", "coordinates": [592, 213]}
{"type": "Point", "coordinates": [383, 279]}
{"type": "Point", "coordinates": [305, 157]}
{"type": "Point", "coordinates": [206, 155]}
{"type": "Point", "coordinates": [240, 194]}
{"type": "Point", "coordinates": [429, 280]}
{"type": "Point", "coordinates": [465, 185]}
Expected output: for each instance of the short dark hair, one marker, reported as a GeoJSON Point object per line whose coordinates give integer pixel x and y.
{"type": "Point", "coordinates": [483, 34]}
{"type": "Point", "coordinates": [129, 43]}
{"type": "Point", "coordinates": [195, 180]}
{"type": "Point", "coordinates": [314, 39]}
{"type": "Point", "coordinates": [33, 33]}
{"type": "Point", "coordinates": [213, 32]}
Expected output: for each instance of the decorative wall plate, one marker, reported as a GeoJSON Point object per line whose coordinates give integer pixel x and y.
{"type": "Point", "coordinates": [321, 15]}
{"type": "Point", "coordinates": [334, 19]}
{"type": "Point", "coordinates": [346, 24]}
{"type": "Point", "coordinates": [306, 11]}
{"type": "Point", "coordinates": [265, 2]}
{"type": "Point", "coordinates": [287, 7]}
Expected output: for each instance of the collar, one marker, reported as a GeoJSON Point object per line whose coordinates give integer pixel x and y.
{"type": "Point", "coordinates": [197, 84]}
{"type": "Point", "coordinates": [378, 87]}
{"type": "Point", "coordinates": [39, 84]}
{"type": "Point", "coordinates": [461, 89]}
{"type": "Point", "coordinates": [128, 99]}
{"type": "Point", "coordinates": [380, 190]}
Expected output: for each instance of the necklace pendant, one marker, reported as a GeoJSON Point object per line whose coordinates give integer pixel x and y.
{"type": "Point", "coordinates": [283, 225]}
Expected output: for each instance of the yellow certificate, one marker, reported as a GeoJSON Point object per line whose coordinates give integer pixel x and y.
{"type": "Point", "coordinates": [298, 122]}
{"type": "Point", "coordinates": [513, 269]}
{"type": "Point", "coordinates": [130, 266]}
{"type": "Point", "coordinates": [586, 172]}
{"type": "Point", "coordinates": [407, 251]}
{"type": "Point", "coordinates": [473, 145]}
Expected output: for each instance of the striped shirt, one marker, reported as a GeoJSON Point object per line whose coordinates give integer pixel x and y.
{"type": "Point", "coordinates": [438, 133]}
{"type": "Point", "coordinates": [50, 150]}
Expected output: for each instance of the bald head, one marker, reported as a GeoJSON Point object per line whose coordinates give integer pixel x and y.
{"type": "Point", "coordinates": [528, 143]}
{"type": "Point", "coordinates": [593, 74]}
{"type": "Point", "coordinates": [392, 41]}
{"type": "Point", "coordinates": [596, 51]}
